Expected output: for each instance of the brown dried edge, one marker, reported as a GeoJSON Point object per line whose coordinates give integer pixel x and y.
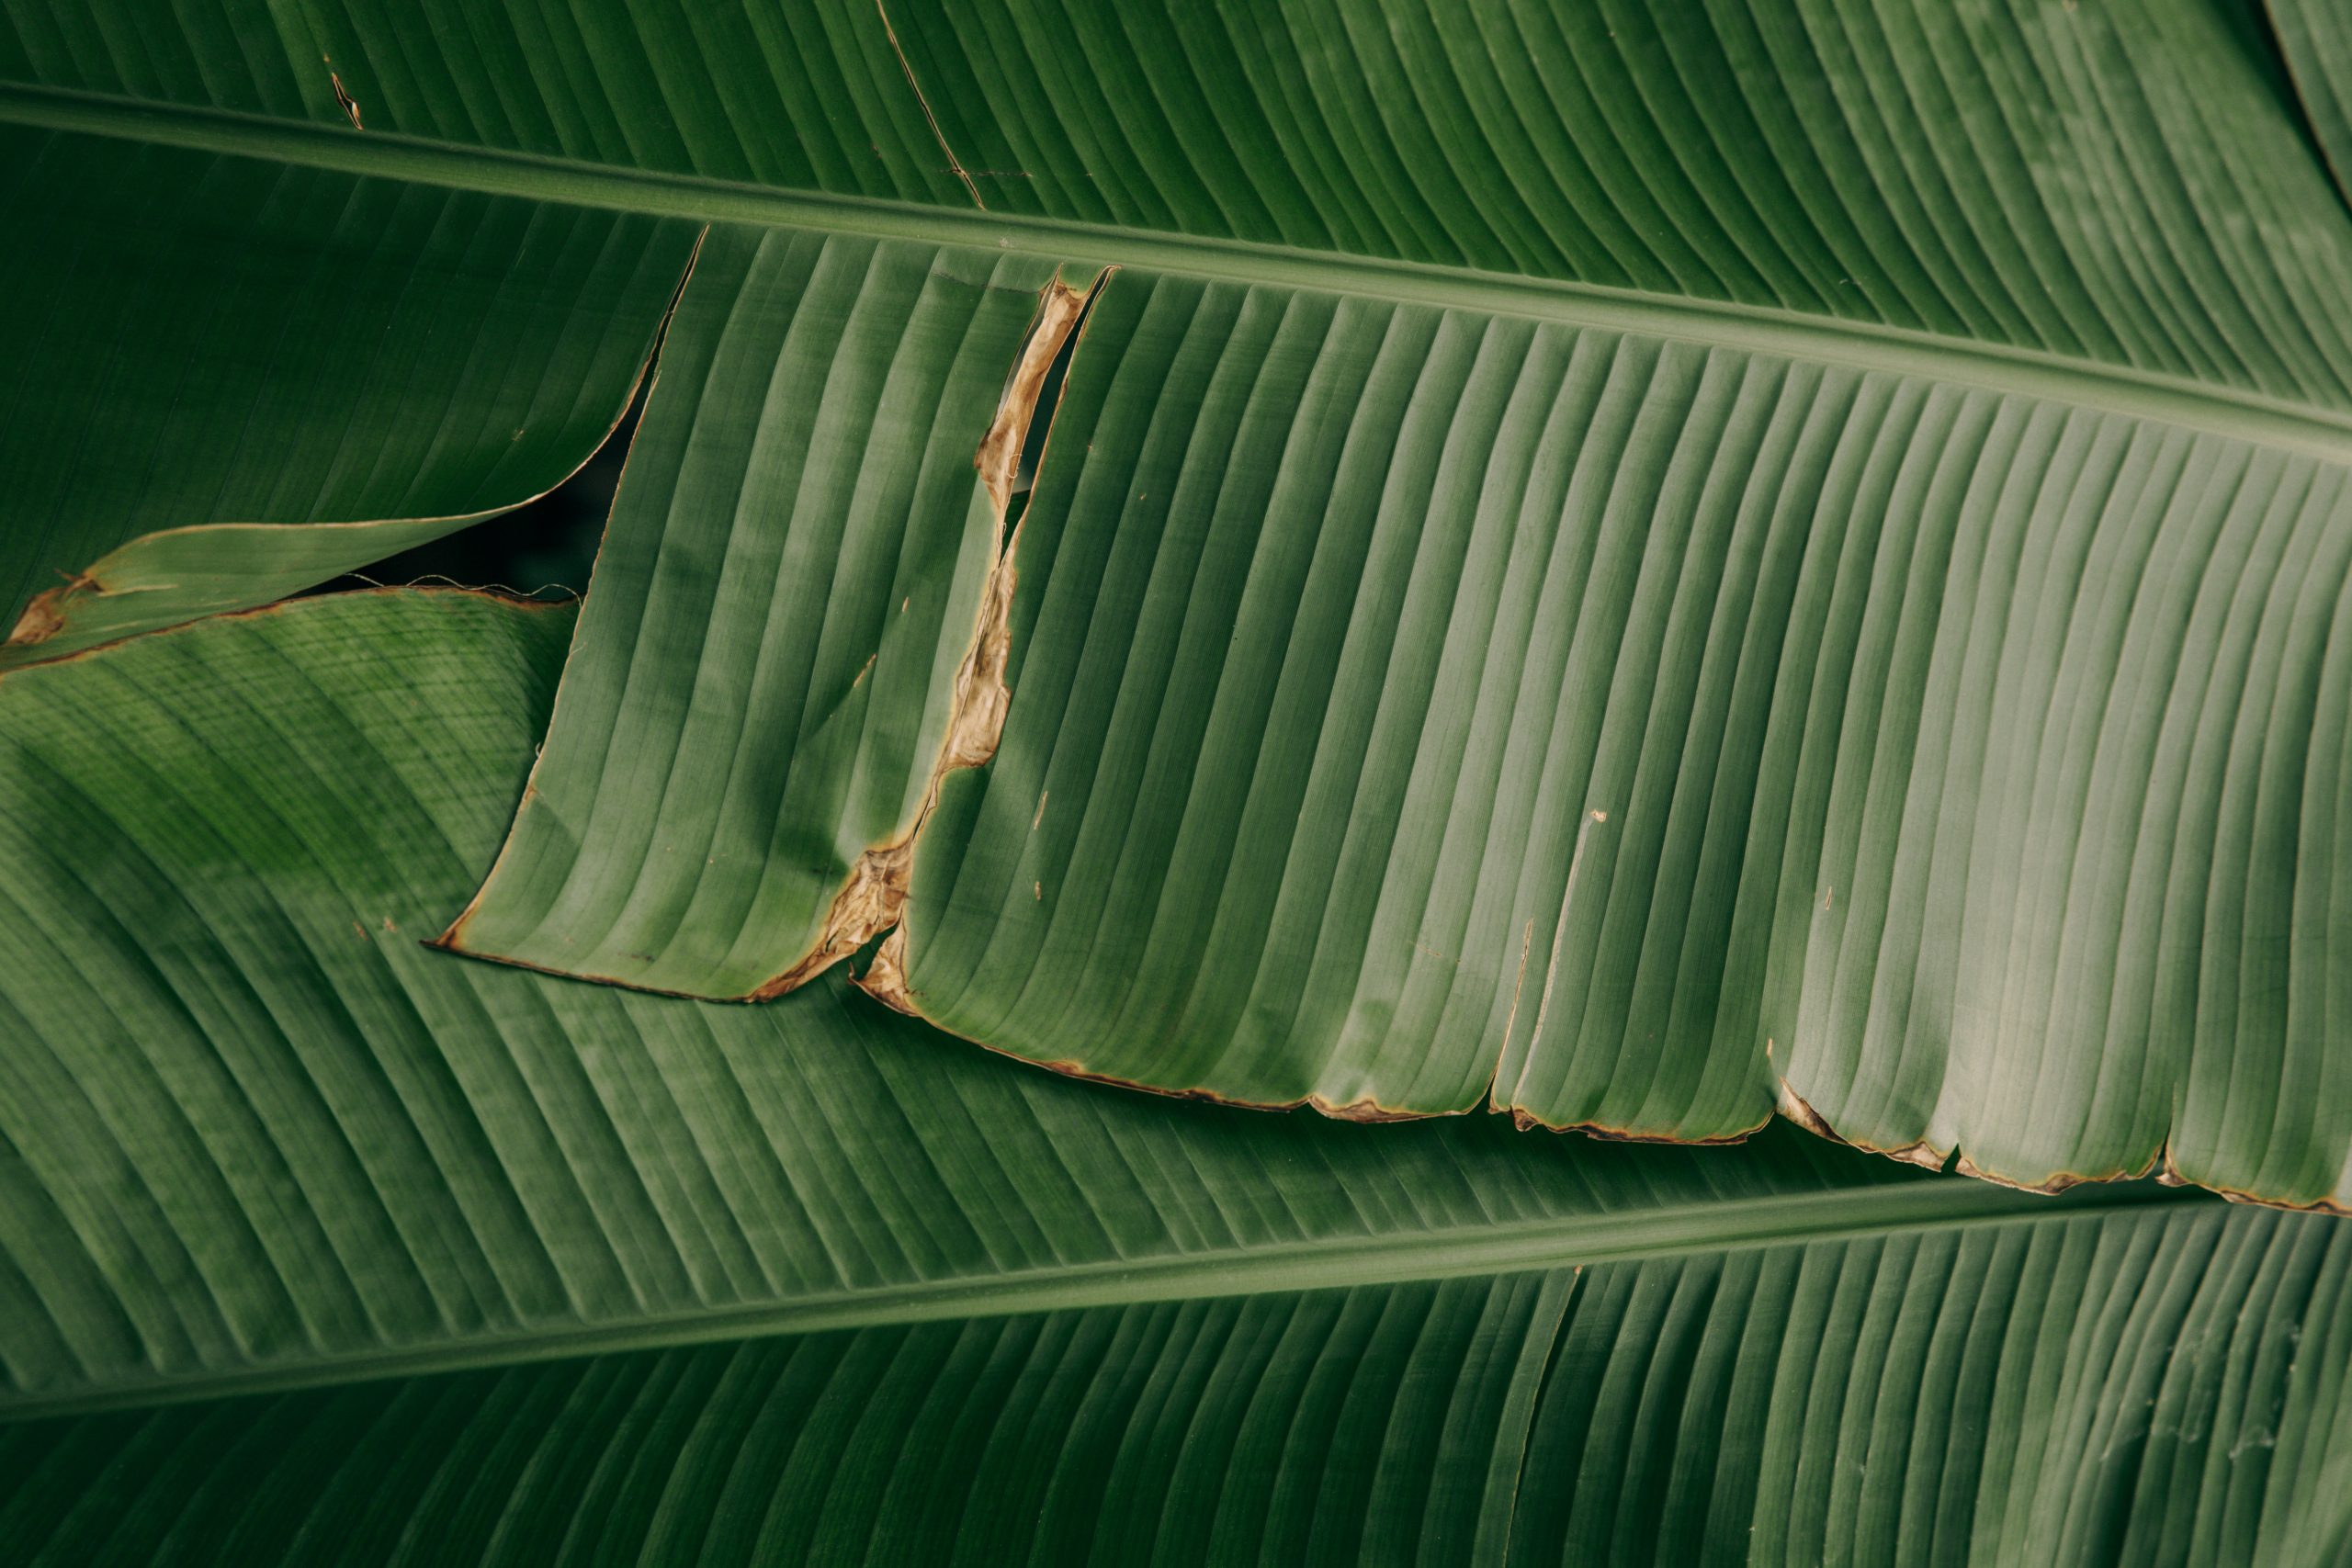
{"type": "Point", "coordinates": [873, 897]}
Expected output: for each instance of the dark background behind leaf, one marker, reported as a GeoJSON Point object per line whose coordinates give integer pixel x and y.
{"type": "Point", "coordinates": [548, 545]}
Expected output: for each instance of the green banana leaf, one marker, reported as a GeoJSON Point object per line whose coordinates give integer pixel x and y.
{"type": "Point", "coordinates": [1660, 721]}
{"type": "Point", "coordinates": [1857, 489]}
{"type": "Point", "coordinates": [2122, 182]}
{"type": "Point", "coordinates": [232, 378]}
{"type": "Point", "coordinates": [851, 618]}
{"type": "Point", "coordinates": [323, 1246]}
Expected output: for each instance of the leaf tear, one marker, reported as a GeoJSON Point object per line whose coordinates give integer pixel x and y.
{"type": "Point", "coordinates": [873, 900]}
{"type": "Point", "coordinates": [999, 457]}
{"type": "Point", "coordinates": [954, 166]}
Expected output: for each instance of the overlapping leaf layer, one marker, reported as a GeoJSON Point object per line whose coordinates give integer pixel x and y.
{"type": "Point", "coordinates": [317, 1195]}
{"type": "Point", "coordinates": [1886, 665]}
{"type": "Point", "coordinates": [230, 378]}
{"type": "Point", "coordinates": [798, 558]}
{"type": "Point", "coordinates": [257, 1129]}
{"type": "Point", "coordinates": [1644, 564]}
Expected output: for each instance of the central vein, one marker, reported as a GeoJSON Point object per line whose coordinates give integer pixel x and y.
{"type": "Point", "coordinates": [2220, 411]}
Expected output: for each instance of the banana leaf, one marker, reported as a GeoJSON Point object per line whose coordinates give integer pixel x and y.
{"type": "Point", "coordinates": [230, 378]}
{"type": "Point", "coordinates": [325, 1246]}
{"type": "Point", "coordinates": [1858, 489]}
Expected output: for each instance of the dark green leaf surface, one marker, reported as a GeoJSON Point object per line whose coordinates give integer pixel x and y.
{"type": "Point", "coordinates": [229, 379]}
{"type": "Point", "coordinates": [2124, 183]}
{"type": "Point", "coordinates": [322, 1245]}
{"type": "Point", "coordinates": [1948, 528]}
{"type": "Point", "coordinates": [2127, 1389]}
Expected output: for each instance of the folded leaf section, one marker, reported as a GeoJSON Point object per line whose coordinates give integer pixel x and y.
{"type": "Point", "coordinates": [231, 379]}
{"type": "Point", "coordinates": [778, 651]}
{"type": "Point", "coordinates": [1408, 701]}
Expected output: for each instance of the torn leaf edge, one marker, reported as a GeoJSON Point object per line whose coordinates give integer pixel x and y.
{"type": "Point", "coordinates": [873, 900]}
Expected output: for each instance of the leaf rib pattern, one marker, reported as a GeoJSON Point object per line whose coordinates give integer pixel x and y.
{"type": "Point", "coordinates": [2127, 185]}
{"type": "Point", "coordinates": [1407, 699]}
{"type": "Point", "coordinates": [2114, 1389]}
{"type": "Point", "coordinates": [1948, 767]}
{"type": "Point", "coordinates": [803, 489]}
{"type": "Point", "coordinates": [252, 1129]}
{"type": "Point", "coordinates": [1646, 735]}
{"type": "Point", "coordinates": [297, 1211]}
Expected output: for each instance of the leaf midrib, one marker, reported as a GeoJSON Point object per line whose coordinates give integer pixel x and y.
{"type": "Point", "coordinates": [1717, 1226]}
{"type": "Point", "coordinates": [2221, 410]}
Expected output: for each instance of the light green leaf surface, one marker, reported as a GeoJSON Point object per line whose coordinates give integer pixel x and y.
{"type": "Point", "coordinates": [322, 1245]}
{"type": "Point", "coordinates": [258, 1128]}
{"type": "Point", "coordinates": [230, 378]}
{"type": "Point", "coordinates": [1405, 700]}
{"type": "Point", "coordinates": [798, 555]}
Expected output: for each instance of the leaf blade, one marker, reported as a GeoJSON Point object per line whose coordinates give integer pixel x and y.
{"type": "Point", "coordinates": [258, 1132]}
{"type": "Point", "coordinates": [1629, 1410]}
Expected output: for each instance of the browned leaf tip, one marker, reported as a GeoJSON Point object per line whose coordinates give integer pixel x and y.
{"type": "Point", "coordinates": [43, 618]}
{"type": "Point", "coordinates": [1793, 1106]}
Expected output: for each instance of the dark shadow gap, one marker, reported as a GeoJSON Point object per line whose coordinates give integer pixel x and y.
{"type": "Point", "coordinates": [1041, 423]}
{"type": "Point", "coordinates": [546, 547]}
